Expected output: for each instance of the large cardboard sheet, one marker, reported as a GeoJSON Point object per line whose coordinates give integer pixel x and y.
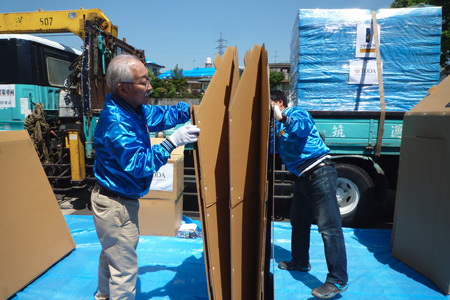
{"type": "Point", "coordinates": [211, 159]}
{"type": "Point", "coordinates": [33, 234]}
{"type": "Point", "coordinates": [248, 140]}
{"type": "Point", "coordinates": [421, 218]}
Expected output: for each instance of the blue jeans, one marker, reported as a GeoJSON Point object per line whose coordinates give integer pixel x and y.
{"type": "Point", "coordinates": [315, 196]}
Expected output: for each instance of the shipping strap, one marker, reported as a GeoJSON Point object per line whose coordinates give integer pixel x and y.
{"type": "Point", "coordinates": [381, 87]}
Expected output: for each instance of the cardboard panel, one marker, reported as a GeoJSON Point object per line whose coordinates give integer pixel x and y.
{"type": "Point", "coordinates": [436, 102]}
{"type": "Point", "coordinates": [33, 234]}
{"type": "Point", "coordinates": [215, 243]}
{"type": "Point", "coordinates": [211, 155]}
{"type": "Point", "coordinates": [202, 209]}
{"type": "Point", "coordinates": [264, 283]}
{"type": "Point", "coordinates": [249, 115]}
{"type": "Point", "coordinates": [421, 222]}
{"type": "Point", "coordinates": [411, 197]}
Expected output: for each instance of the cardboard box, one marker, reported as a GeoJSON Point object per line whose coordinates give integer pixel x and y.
{"type": "Point", "coordinates": [168, 182]}
{"type": "Point", "coordinates": [421, 219]}
{"type": "Point", "coordinates": [33, 232]}
{"type": "Point", "coordinates": [160, 217]}
{"type": "Point", "coordinates": [161, 210]}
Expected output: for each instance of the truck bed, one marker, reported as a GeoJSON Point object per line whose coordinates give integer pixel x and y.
{"type": "Point", "coordinates": [355, 132]}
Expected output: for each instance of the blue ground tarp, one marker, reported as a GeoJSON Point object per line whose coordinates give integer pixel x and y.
{"type": "Point", "coordinates": [174, 268]}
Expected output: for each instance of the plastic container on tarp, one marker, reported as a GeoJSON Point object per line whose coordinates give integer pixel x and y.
{"type": "Point", "coordinates": [323, 47]}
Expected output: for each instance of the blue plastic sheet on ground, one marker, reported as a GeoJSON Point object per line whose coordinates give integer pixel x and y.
{"type": "Point", "coordinates": [174, 268]}
{"type": "Point", "coordinates": [373, 272]}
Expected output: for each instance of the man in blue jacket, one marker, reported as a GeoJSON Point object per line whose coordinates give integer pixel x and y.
{"type": "Point", "coordinates": [305, 154]}
{"type": "Point", "coordinates": [125, 162]}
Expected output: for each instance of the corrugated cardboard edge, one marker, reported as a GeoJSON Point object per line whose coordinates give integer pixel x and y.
{"type": "Point", "coordinates": [265, 284]}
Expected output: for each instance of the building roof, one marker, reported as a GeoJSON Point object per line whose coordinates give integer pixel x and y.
{"type": "Point", "coordinates": [196, 72]}
{"type": "Point", "coordinates": [148, 61]}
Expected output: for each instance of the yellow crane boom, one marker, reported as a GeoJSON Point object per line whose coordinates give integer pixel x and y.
{"type": "Point", "coordinates": [55, 22]}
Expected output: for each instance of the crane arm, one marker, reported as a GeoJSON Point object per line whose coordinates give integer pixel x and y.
{"type": "Point", "coordinates": [55, 22]}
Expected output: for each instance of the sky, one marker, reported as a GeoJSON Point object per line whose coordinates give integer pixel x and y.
{"type": "Point", "coordinates": [186, 33]}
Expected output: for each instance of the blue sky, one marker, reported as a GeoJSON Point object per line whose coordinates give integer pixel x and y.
{"type": "Point", "coordinates": [185, 32]}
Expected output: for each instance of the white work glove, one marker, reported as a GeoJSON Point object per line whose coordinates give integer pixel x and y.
{"type": "Point", "coordinates": [184, 135]}
{"type": "Point", "coordinates": [277, 113]}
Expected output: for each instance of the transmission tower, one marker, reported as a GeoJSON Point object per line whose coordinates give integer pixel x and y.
{"type": "Point", "coordinates": [275, 56]}
{"type": "Point", "coordinates": [221, 45]}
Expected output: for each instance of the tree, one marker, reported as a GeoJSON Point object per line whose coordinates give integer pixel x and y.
{"type": "Point", "coordinates": [275, 78]}
{"type": "Point", "coordinates": [178, 80]}
{"type": "Point", "coordinates": [173, 87]}
{"type": "Point", "coordinates": [159, 86]}
{"type": "Point", "coordinates": [162, 88]}
{"type": "Point", "coordinates": [445, 37]}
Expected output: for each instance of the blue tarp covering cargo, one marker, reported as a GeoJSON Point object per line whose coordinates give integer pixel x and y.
{"type": "Point", "coordinates": [324, 53]}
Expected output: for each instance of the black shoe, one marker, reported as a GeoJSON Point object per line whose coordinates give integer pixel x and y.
{"type": "Point", "coordinates": [328, 290]}
{"type": "Point", "coordinates": [293, 266]}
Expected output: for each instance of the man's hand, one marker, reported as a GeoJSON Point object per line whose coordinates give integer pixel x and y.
{"type": "Point", "coordinates": [277, 113]}
{"type": "Point", "coordinates": [184, 135]}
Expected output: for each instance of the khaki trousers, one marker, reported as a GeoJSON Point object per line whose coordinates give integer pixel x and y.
{"type": "Point", "coordinates": [116, 223]}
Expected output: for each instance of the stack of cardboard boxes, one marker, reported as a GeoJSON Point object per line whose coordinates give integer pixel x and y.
{"type": "Point", "coordinates": [161, 210]}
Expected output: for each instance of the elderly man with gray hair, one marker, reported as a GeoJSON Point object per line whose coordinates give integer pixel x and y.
{"type": "Point", "coordinates": [125, 162]}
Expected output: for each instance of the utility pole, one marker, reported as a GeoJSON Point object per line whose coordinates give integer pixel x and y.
{"type": "Point", "coordinates": [221, 45]}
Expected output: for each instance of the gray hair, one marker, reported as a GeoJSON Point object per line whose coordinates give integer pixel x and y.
{"type": "Point", "coordinates": [119, 70]}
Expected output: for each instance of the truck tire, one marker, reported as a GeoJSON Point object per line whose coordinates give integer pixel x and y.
{"type": "Point", "coordinates": [355, 192]}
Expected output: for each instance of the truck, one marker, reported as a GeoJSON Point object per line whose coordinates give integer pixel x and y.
{"type": "Point", "coordinates": [357, 72]}
{"type": "Point", "coordinates": [56, 92]}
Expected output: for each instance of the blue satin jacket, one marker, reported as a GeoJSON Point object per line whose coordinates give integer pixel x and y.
{"type": "Point", "coordinates": [298, 139]}
{"type": "Point", "coordinates": [124, 159]}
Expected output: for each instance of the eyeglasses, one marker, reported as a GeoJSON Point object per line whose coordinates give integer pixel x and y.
{"type": "Point", "coordinates": [146, 84]}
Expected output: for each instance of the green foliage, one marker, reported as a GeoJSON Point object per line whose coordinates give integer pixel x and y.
{"type": "Point", "coordinates": [445, 37]}
{"type": "Point", "coordinates": [175, 87]}
{"type": "Point", "coordinates": [178, 80]}
{"type": "Point", "coordinates": [275, 78]}
{"type": "Point", "coordinates": [159, 92]}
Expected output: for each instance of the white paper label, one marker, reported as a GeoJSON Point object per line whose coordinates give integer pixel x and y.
{"type": "Point", "coordinates": [363, 72]}
{"type": "Point", "coordinates": [163, 179]}
{"type": "Point", "coordinates": [365, 42]}
{"type": "Point", "coordinates": [7, 95]}
{"type": "Point", "coordinates": [24, 110]}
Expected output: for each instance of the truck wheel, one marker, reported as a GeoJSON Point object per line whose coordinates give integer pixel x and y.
{"type": "Point", "coordinates": [355, 192]}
